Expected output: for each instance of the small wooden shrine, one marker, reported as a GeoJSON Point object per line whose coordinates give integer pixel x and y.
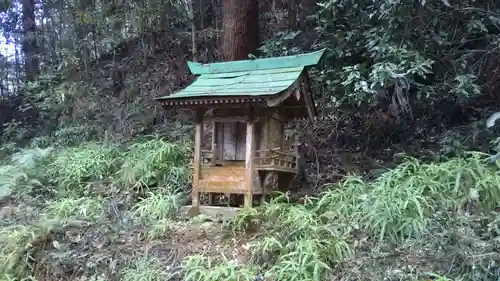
{"type": "Point", "coordinates": [247, 103]}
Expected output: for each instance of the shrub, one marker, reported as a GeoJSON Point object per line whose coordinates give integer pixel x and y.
{"type": "Point", "coordinates": [298, 244]}
{"type": "Point", "coordinates": [416, 203]}
{"type": "Point", "coordinates": [18, 246]}
{"type": "Point", "coordinates": [158, 206]}
{"type": "Point", "coordinates": [408, 201]}
{"type": "Point", "coordinates": [147, 269]}
{"type": "Point", "coordinates": [72, 168]}
{"type": "Point", "coordinates": [66, 208]}
{"type": "Point", "coordinates": [23, 170]}
{"type": "Point", "coordinates": [199, 268]}
{"type": "Point", "coordinates": [153, 162]}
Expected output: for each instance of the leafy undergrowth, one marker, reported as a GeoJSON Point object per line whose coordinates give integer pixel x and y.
{"type": "Point", "coordinates": [100, 212]}
{"type": "Point", "coordinates": [413, 221]}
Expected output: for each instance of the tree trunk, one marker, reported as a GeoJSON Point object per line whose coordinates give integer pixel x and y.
{"type": "Point", "coordinates": [241, 29]}
{"type": "Point", "coordinates": [292, 13]}
{"type": "Point", "coordinates": [307, 8]}
{"type": "Point", "coordinates": [29, 40]}
{"type": "Point", "coordinates": [194, 49]}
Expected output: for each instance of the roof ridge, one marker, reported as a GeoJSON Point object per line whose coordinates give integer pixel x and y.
{"type": "Point", "coordinates": [300, 60]}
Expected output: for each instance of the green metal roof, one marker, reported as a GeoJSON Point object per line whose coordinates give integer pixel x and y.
{"type": "Point", "coordinates": [258, 77]}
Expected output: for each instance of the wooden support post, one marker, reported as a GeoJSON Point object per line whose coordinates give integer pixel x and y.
{"type": "Point", "coordinates": [197, 162]}
{"type": "Point", "coordinates": [262, 177]}
{"type": "Point", "coordinates": [214, 158]}
{"type": "Point", "coordinates": [296, 150]}
{"type": "Point", "coordinates": [214, 143]}
{"type": "Point", "coordinates": [249, 162]}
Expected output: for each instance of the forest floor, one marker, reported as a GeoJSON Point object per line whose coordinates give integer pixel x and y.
{"type": "Point", "coordinates": [101, 212]}
{"type": "Point", "coordinates": [80, 247]}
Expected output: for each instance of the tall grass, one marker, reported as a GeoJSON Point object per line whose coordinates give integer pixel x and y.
{"type": "Point", "coordinates": [153, 162]}
{"type": "Point", "coordinates": [409, 201]}
{"type": "Point", "coordinates": [199, 268]}
{"type": "Point", "coordinates": [147, 269]}
{"type": "Point", "coordinates": [18, 248]}
{"type": "Point", "coordinates": [158, 206]}
{"type": "Point", "coordinates": [416, 202]}
{"type": "Point", "coordinates": [75, 173]}
{"type": "Point", "coordinates": [297, 245]}
{"type": "Point", "coordinates": [21, 170]}
{"type": "Point", "coordinates": [73, 168]}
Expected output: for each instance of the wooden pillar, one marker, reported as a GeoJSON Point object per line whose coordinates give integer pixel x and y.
{"type": "Point", "coordinates": [296, 142]}
{"type": "Point", "coordinates": [249, 162]}
{"type": "Point", "coordinates": [214, 158]}
{"type": "Point", "coordinates": [214, 143]}
{"type": "Point", "coordinates": [197, 161]}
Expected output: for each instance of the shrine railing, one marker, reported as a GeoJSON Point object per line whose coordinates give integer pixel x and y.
{"type": "Point", "coordinates": [276, 158]}
{"type": "Point", "coordinates": [265, 159]}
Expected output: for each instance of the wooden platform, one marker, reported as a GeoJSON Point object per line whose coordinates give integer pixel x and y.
{"type": "Point", "coordinates": [214, 212]}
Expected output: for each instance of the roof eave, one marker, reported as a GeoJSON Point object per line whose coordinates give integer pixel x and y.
{"type": "Point", "coordinates": [301, 60]}
{"type": "Point", "coordinates": [210, 101]}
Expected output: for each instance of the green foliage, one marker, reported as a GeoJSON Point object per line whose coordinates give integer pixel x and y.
{"type": "Point", "coordinates": [408, 201]}
{"type": "Point", "coordinates": [66, 208]}
{"type": "Point", "coordinates": [243, 220]}
{"type": "Point", "coordinates": [199, 268]}
{"type": "Point", "coordinates": [29, 158]}
{"type": "Point", "coordinates": [158, 206]}
{"type": "Point", "coordinates": [18, 248]}
{"type": "Point", "coordinates": [73, 170]}
{"type": "Point", "coordinates": [299, 245]}
{"type": "Point", "coordinates": [146, 269]}
{"type": "Point", "coordinates": [407, 205]}
{"type": "Point", "coordinates": [402, 57]}
{"type": "Point", "coordinates": [153, 162]}
{"type": "Point", "coordinates": [79, 173]}
{"type": "Point", "coordinates": [159, 229]}
{"type": "Point", "coordinates": [22, 170]}
{"type": "Point", "coordinates": [75, 167]}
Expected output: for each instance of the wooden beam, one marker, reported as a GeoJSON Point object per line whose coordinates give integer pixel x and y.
{"type": "Point", "coordinates": [292, 90]}
{"type": "Point", "coordinates": [227, 119]}
{"type": "Point", "coordinates": [214, 143]}
{"type": "Point", "coordinates": [197, 161]}
{"type": "Point", "coordinates": [249, 162]}
{"type": "Point", "coordinates": [307, 99]}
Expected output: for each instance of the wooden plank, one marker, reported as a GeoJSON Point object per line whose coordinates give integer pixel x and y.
{"type": "Point", "coordinates": [264, 134]}
{"type": "Point", "coordinates": [240, 141]}
{"type": "Point", "coordinates": [228, 119]}
{"type": "Point", "coordinates": [229, 140]}
{"type": "Point", "coordinates": [309, 103]}
{"type": "Point", "coordinates": [249, 163]}
{"type": "Point", "coordinates": [276, 169]}
{"type": "Point", "coordinates": [220, 140]}
{"type": "Point", "coordinates": [197, 159]}
{"type": "Point", "coordinates": [214, 143]}
{"type": "Point", "coordinates": [275, 137]}
{"type": "Point", "coordinates": [275, 101]}
{"type": "Point", "coordinates": [225, 186]}
{"type": "Point", "coordinates": [229, 173]}
{"type": "Point", "coordinates": [222, 163]}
